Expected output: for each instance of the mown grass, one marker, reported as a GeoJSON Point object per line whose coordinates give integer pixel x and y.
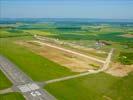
{"type": "Point", "coordinates": [99, 86]}
{"type": "Point", "coordinates": [4, 82]}
{"type": "Point", "coordinates": [37, 67]}
{"type": "Point", "coordinates": [11, 96]}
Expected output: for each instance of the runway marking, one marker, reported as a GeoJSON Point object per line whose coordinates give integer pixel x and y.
{"type": "Point", "coordinates": [28, 87]}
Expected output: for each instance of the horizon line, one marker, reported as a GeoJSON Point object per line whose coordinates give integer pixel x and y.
{"type": "Point", "coordinates": [64, 18]}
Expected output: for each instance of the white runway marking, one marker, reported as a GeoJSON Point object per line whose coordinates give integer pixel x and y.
{"type": "Point", "coordinates": [28, 87]}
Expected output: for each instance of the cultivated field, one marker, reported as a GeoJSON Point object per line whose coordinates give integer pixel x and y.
{"type": "Point", "coordinates": [74, 62]}
{"type": "Point", "coordinates": [67, 49]}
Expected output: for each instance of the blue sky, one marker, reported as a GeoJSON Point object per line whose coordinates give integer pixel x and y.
{"type": "Point", "coordinates": [110, 9]}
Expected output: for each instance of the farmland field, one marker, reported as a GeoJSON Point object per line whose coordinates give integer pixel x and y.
{"type": "Point", "coordinates": [46, 59]}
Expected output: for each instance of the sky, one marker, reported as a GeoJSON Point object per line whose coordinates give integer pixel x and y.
{"type": "Point", "coordinates": [104, 9]}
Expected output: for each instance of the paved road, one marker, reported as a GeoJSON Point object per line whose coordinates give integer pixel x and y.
{"type": "Point", "coordinates": [22, 82]}
{"type": "Point", "coordinates": [105, 67]}
{"type": "Point", "coordinates": [66, 50]}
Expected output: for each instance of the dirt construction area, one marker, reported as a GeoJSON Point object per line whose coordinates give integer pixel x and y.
{"type": "Point", "coordinates": [117, 69]}
{"type": "Point", "coordinates": [69, 60]}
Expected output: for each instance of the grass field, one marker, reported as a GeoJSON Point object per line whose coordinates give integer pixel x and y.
{"type": "Point", "coordinates": [4, 82]}
{"type": "Point", "coordinates": [11, 96]}
{"type": "Point", "coordinates": [99, 86]}
{"type": "Point", "coordinates": [37, 67]}
{"type": "Point", "coordinates": [93, 87]}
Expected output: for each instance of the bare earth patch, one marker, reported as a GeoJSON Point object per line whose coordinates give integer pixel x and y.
{"type": "Point", "coordinates": [74, 62]}
{"type": "Point", "coordinates": [71, 61]}
{"type": "Point", "coordinates": [119, 70]}
{"type": "Point", "coordinates": [127, 35]}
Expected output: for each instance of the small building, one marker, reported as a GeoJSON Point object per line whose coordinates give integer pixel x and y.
{"type": "Point", "coordinates": [100, 44]}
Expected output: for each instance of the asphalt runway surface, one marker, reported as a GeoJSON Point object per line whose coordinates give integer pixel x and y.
{"type": "Point", "coordinates": [23, 83]}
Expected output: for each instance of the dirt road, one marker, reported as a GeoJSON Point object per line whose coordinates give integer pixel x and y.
{"type": "Point", "coordinates": [104, 68]}
{"type": "Point", "coordinates": [70, 51]}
